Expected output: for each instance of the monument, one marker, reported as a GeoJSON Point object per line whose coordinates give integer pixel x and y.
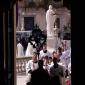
{"type": "Point", "coordinates": [50, 19]}
{"type": "Point", "coordinates": [52, 30]}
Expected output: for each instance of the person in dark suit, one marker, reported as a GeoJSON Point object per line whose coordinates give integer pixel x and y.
{"type": "Point", "coordinates": [40, 76]}
{"type": "Point", "coordinates": [56, 73]}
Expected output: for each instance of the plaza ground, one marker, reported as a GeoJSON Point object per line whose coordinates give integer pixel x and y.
{"type": "Point", "coordinates": [21, 79]}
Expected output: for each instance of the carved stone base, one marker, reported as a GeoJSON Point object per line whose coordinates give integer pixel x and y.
{"type": "Point", "coordinates": [52, 43]}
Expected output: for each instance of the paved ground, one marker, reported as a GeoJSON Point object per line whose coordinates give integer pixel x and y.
{"type": "Point", "coordinates": [21, 79]}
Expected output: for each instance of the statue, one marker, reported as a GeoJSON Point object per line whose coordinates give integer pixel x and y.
{"type": "Point", "coordinates": [50, 19]}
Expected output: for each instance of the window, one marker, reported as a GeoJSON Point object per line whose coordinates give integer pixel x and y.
{"type": "Point", "coordinates": [29, 23]}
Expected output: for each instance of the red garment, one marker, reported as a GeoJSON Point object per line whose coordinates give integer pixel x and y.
{"type": "Point", "coordinates": [67, 82]}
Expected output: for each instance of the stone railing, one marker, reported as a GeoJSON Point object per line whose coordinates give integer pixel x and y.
{"type": "Point", "coordinates": [21, 64]}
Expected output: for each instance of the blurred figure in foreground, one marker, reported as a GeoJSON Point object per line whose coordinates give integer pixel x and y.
{"type": "Point", "coordinates": [46, 64]}
{"type": "Point", "coordinates": [40, 76]}
{"type": "Point", "coordinates": [57, 73]}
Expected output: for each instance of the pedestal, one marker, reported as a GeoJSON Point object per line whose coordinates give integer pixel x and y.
{"type": "Point", "coordinates": [52, 43]}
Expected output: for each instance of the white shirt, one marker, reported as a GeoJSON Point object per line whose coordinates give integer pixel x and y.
{"type": "Point", "coordinates": [42, 54]}
{"type": "Point", "coordinates": [30, 66]}
{"type": "Point", "coordinates": [46, 67]}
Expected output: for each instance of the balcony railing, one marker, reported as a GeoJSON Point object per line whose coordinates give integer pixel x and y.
{"type": "Point", "coordinates": [21, 64]}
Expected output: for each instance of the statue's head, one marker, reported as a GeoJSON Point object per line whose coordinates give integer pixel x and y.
{"type": "Point", "coordinates": [50, 7]}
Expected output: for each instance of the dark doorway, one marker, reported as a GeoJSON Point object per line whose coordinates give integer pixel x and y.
{"type": "Point", "coordinates": [28, 23]}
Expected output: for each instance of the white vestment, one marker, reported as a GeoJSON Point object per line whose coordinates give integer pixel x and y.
{"type": "Point", "coordinates": [29, 50]}
{"type": "Point", "coordinates": [66, 57]}
{"type": "Point", "coordinates": [42, 54]}
{"type": "Point", "coordinates": [20, 52]}
{"type": "Point", "coordinates": [30, 66]}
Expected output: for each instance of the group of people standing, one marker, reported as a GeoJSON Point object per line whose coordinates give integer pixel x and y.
{"type": "Point", "coordinates": [50, 69]}
{"type": "Point", "coordinates": [24, 49]}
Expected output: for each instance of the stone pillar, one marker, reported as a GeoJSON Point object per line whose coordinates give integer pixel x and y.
{"type": "Point", "coordinates": [53, 42]}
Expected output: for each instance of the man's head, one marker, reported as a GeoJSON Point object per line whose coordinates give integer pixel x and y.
{"type": "Point", "coordinates": [34, 56]}
{"type": "Point", "coordinates": [55, 55]}
{"type": "Point", "coordinates": [44, 47]}
{"type": "Point", "coordinates": [55, 62]}
{"type": "Point", "coordinates": [59, 51]}
{"type": "Point", "coordinates": [40, 63]}
{"type": "Point", "coordinates": [46, 60]}
{"type": "Point", "coordinates": [50, 60]}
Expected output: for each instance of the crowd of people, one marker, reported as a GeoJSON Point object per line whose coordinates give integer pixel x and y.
{"type": "Point", "coordinates": [23, 48]}
{"type": "Point", "coordinates": [49, 69]}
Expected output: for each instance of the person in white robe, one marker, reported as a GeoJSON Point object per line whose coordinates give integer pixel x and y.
{"type": "Point", "coordinates": [66, 57]}
{"type": "Point", "coordinates": [44, 52]}
{"type": "Point", "coordinates": [31, 65]}
{"type": "Point", "coordinates": [20, 52]}
{"type": "Point", "coordinates": [29, 50]}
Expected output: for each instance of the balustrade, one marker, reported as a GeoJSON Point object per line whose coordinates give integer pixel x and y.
{"type": "Point", "coordinates": [21, 64]}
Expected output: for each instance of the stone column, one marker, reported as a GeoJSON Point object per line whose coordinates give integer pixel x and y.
{"type": "Point", "coordinates": [53, 41]}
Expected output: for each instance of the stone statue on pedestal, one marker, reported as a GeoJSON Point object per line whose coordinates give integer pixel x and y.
{"type": "Point", "coordinates": [52, 30]}
{"type": "Point", "coordinates": [50, 19]}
